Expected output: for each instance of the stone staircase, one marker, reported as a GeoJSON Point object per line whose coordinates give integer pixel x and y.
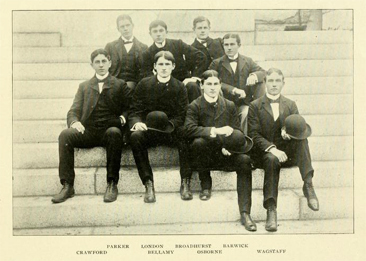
{"type": "Point", "coordinates": [318, 67]}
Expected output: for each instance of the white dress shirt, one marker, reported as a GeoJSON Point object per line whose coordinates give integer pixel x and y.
{"type": "Point", "coordinates": [234, 64]}
{"type": "Point", "coordinates": [204, 44]}
{"type": "Point", "coordinates": [160, 45]}
{"type": "Point", "coordinates": [100, 77]}
{"type": "Point", "coordinates": [129, 45]}
{"type": "Point", "coordinates": [275, 106]}
{"type": "Point", "coordinates": [210, 100]}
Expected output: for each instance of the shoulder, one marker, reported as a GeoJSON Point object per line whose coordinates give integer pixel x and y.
{"type": "Point", "coordinates": [112, 44]}
{"type": "Point", "coordinates": [287, 100]}
{"type": "Point", "coordinates": [117, 80]}
{"type": "Point", "coordinates": [257, 102]}
{"type": "Point", "coordinates": [196, 104]}
{"type": "Point", "coordinates": [218, 60]}
{"type": "Point", "coordinates": [176, 82]}
{"type": "Point", "coordinates": [141, 45]}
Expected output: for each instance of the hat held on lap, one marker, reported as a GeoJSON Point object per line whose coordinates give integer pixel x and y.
{"type": "Point", "coordinates": [237, 142]}
{"type": "Point", "coordinates": [158, 121]}
{"type": "Point", "coordinates": [296, 127]}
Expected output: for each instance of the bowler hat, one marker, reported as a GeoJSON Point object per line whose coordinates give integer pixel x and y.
{"type": "Point", "coordinates": [158, 121]}
{"type": "Point", "coordinates": [296, 127]}
{"type": "Point", "coordinates": [237, 142]}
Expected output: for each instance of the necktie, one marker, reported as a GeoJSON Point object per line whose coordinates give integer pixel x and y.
{"type": "Point", "coordinates": [233, 60]}
{"type": "Point", "coordinates": [274, 101]}
{"type": "Point", "coordinates": [127, 42]}
{"type": "Point", "coordinates": [103, 80]}
{"type": "Point", "coordinates": [204, 41]}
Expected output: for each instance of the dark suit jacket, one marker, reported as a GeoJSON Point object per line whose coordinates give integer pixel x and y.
{"type": "Point", "coordinates": [173, 100]}
{"type": "Point", "coordinates": [116, 50]}
{"type": "Point", "coordinates": [245, 66]}
{"type": "Point", "coordinates": [200, 118]}
{"type": "Point", "coordinates": [188, 60]}
{"type": "Point", "coordinates": [261, 126]}
{"type": "Point", "coordinates": [213, 50]}
{"type": "Point", "coordinates": [86, 98]}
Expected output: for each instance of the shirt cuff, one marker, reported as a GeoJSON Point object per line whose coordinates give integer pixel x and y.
{"type": "Point", "coordinates": [123, 120]}
{"type": "Point", "coordinates": [269, 148]}
{"type": "Point", "coordinates": [73, 123]}
{"type": "Point", "coordinates": [212, 132]}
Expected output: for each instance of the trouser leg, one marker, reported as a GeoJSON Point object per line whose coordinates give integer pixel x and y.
{"type": "Point", "coordinates": [67, 141]}
{"type": "Point", "coordinates": [243, 113]}
{"type": "Point", "coordinates": [244, 181]}
{"type": "Point", "coordinates": [272, 167]}
{"type": "Point", "coordinates": [193, 91]}
{"type": "Point", "coordinates": [113, 140]}
{"type": "Point", "coordinates": [139, 145]}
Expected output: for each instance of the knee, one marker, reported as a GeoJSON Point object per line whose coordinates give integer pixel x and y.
{"type": "Point", "coordinates": [198, 144]}
{"type": "Point", "coordinates": [243, 162]}
{"type": "Point", "coordinates": [136, 136]}
{"type": "Point", "coordinates": [114, 132]}
{"type": "Point", "coordinates": [271, 160]}
{"type": "Point", "coordinates": [66, 134]}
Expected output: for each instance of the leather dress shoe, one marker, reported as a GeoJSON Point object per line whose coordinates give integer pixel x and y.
{"type": "Point", "coordinates": [185, 189]}
{"type": "Point", "coordinates": [271, 222]}
{"type": "Point", "coordinates": [310, 195]}
{"type": "Point", "coordinates": [150, 192]}
{"type": "Point", "coordinates": [205, 194]}
{"type": "Point", "coordinates": [111, 192]}
{"type": "Point", "coordinates": [247, 222]}
{"type": "Point", "coordinates": [66, 192]}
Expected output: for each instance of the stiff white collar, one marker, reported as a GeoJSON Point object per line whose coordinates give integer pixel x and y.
{"type": "Point", "coordinates": [124, 39]}
{"type": "Point", "coordinates": [235, 56]}
{"type": "Point", "coordinates": [273, 97]}
{"type": "Point", "coordinates": [161, 45]}
{"type": "Point", "coordinates": [209, 99]}
{"type": "Point", "coordinates": [100, 77]}
{"type": "Point", "coordinates": [163, 80]}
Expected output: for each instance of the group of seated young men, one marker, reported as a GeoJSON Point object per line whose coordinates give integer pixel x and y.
{"type": "Point", "coordinates": [204, 98]}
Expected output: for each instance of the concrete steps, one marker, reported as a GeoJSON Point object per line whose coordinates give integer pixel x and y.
{"type": "Point", "coordinates": [49, 130]}
{"type": "Point", "coordinates": [56, 109]}
{"type": "Point", "coordinates": [67, 88]}
{"type": "Point", "coordinates": [268, 52]}
{"type": "Point", "coordinates": [333, 226]}
{"type": "Point", "coordinates": [39, 212]}
{"type": "Point", "coordinates": [90, 181]}
{"type": "Point", "coordinates": [34, 39]}
{"type": "Point", "coordinates": [74, 71]}
{"type": "Point", "coordinates": [45, 155]}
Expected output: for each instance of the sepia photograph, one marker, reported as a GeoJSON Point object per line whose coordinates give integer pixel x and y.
{"type": "Point", "coordinates": [159, 133]}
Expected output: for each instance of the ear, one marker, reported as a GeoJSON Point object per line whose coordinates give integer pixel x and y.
{"type": "Point", "coordinates": [173, 65]}
{"type": "Point", "coordinates": [155, 66]}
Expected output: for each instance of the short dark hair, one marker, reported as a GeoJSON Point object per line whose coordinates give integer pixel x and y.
{"type": "Point", "coordinates": [235, 36]}
{"type": "Point", "coordinates": [156, 23]}
{"type": "Point", "coordinates": [274, 70]}
{"type": "Point", "coordinates": [209, 73]}
{"type": "Point", "coordinates": [97, 52]}
{"type": "Point", "coordinates": [123, 17]}
{"type": "Point", "coordinates": [200, 19]}
{"type": "Point", "coordinates": [165, 54]}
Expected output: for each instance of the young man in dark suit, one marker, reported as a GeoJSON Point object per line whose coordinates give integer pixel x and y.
{"type": "Point", "coordinates": [241, 77]}
{"type": "Point", "coordinates": [212, 48]}
{"type": "Point", "coordinates": [189, 62]}
{"type": "Point", "coordinates": [210, 123]}
{"type": "Point", "coordinates": [164, 94]}
{"type": "Point", "coordinates": [269, 120]}
{"type": "Point", "coordinates": [97, 117]}
{"type": "Point", "coordinates": [126, 53]}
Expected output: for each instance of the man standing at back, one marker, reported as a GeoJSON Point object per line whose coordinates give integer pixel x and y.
{"type": "Point", "coordinates": [212, 48]}
{"type": "Point", "coordinates": [189, 62]}
{"type": "Point", "coordinates": [240, 76]}
{"type": "Point", "coordinates": [126, 53]}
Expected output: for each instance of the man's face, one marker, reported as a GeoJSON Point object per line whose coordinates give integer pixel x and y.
{"type": "Point", "coordinates": [101, 64]}
{"type": "Point", "coordinates": [231, 47]}
{"type": "Point", "coordinates": [158, 34]}
{"type": "Point", "coordinates": [211, 87]}
{"type": "Point", "coordinates": [164, 67]}
{"type": "Point", "coordinates": [274, 83]}
{"type": "Point", "coordinates": [125, 27]}
{"type": "Point", "coordinates": [202, 30]}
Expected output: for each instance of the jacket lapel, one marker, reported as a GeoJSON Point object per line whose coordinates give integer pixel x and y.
{"type": "Point", "coordinates": [226, 64]}
{"type": "Point", "coordinates": [94, 84]}
{"type": "Point", "coordinates": [221, 107]}
{"type": "Point", "coordinates": [282, 106]}
{"type": "Point", "coordinates": [205, 107]}
{"type": "Point", "coordinates": [267, 106]}
{"type": "Point", "coordinates": [120, 47]}
{"type": "Point", "coordinates": [241, 63]}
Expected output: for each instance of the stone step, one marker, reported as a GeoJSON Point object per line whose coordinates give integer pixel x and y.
{"type": "Point", "coordinates": [89, 181]}
{"type": "Point", "coordinates": [44, 39]}
{"type": "Point", "coordinates": [45, 155]}
{"type": "Point", "coordinates": [266, 52]}
{"type": "Point", "coordinates": [39, 212]}
{"type": "Point", "coordinates": [34, 109]}
{"type": "Point", "coordinates": [296, 86]}
{"type": "Point", "coordinates": [307, 37]}
{"type": "Point", "coordinates": [74, 71]}
{"type": "Point", "coordinates": [48, 131]}
{"type": "Point", "coordinates": [327, 226]}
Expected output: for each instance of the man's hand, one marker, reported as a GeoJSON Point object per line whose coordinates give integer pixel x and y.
{"type": "Point", "coordinates": [281, 155]}
{"type": "Point", "coordinates": [227, 131]}
{"type": "Point", "coordinates": [139, 126]}
{"type": "Point", "coordinates": [187, 80]}
{"type": "Point", "coordinates": [252, 79]}
{"type": "Point", "coordinates": [284, 134]}
{"type": "Point", "coordinates": [77, 125]}
{"type": "Point", "coordinates": [239, 92]}
{"type": "Point", "coordinates": [225, 152]}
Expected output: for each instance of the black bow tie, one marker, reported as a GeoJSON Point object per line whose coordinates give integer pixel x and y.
{"type": "Point", "coordinates": [233, 60]}
{"type": "Point", "coordinates": [127, 42]}
{"type": "Point", "coordinates": [103, 80]}
{"type": "Point", "coordinates": [274, 101]}
{"type": "Point", "coordinates": [203, 41]}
